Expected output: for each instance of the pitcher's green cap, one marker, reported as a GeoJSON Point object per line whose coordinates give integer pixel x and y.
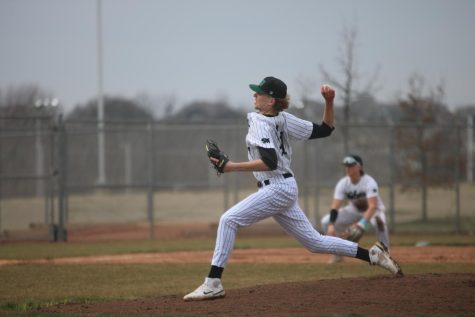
{"type": "Point", "coordinates": [271, 86]}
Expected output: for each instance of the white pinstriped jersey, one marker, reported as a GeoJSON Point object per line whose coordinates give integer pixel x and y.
{"type": "Point", "coordinates": [275, 132]}
{"type": "Point", "coordinates": [279, 197]}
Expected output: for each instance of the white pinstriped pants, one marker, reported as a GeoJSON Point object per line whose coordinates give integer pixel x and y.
{"type": "Point", "coordinates": [277, 200]}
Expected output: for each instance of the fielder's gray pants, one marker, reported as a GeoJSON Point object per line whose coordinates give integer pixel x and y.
{"type": "Point", "coordinates": [349, 215]}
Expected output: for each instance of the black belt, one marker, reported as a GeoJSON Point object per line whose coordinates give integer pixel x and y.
{"type": "Point", "coordinates": [267, 182]}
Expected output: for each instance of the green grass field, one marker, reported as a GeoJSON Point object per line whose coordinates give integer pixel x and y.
{"type": "Point", "coordinates": [25, 287]}
{"type": "Point", "coordinates": [47, 250]}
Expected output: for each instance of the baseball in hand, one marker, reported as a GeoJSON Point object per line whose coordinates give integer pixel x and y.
{"type": "Point", "coordinates": [327, 92]}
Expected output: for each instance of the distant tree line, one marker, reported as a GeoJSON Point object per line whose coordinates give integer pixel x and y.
{"type": "Point", "coordinates": [423, 135]}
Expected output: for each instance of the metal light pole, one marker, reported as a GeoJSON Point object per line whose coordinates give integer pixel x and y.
{"type": "Point", "coordinates": [100, 100]}
{"type": "Point", "coordinates": [43, 105]}
{"type": "Point", "coordinates": [49, 107]}
{"type": "Point", "coordinates": [39, 150]}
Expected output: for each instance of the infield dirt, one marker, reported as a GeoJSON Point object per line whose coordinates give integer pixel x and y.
{"type": "Point", "coordinates": [414, 295]}
{"type": "Point", "coordinates": [451, 294]}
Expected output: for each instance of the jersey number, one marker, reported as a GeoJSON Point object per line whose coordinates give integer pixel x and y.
{"type": "Point", "coordinates": [282, 148]}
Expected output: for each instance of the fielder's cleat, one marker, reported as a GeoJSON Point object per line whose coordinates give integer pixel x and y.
{"type": "Point", "coordinates": [210, 289]}
{"type": "Point", "coordinates": [335, 259]}
{"type": "Point", "coordinates": [379, 255]}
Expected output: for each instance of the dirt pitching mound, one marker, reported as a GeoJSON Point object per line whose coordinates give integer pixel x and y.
{"type": "Point", "coordinates": [429, 294]}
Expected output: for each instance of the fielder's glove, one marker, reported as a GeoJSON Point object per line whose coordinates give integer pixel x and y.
{"type": "Point", "coordinates": [213, 151]}
{"type": "Point", "coordinates": [356, 231]}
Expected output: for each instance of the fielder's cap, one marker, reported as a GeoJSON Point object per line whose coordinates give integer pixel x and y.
{"type": "Point", "coordinates": [351, 160]}
{"type": "Point", "coordinates": [271, 86]}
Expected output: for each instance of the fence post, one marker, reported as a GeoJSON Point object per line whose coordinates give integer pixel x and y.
{"type": "Point", "coordinates": [226, 194]}
{"type": "Point", "coordinates": [316, 201]}
{"type": "Point", "coordinates": [423, 177]}
{"type": "Point", "coordinates": [392, 166]}
{"type": "Point", "coordinates": [39, 159]}
{"type": "Point", "coordinates": [316, 196]}
{"type": "Point", "coordinates": [61, 233]}
{"type": "Point", "coordinates": [470, 149]}
{"type": "Point", "coordinates": [236, 143]}
{"type": "Point", "coordinates": [151, 183]}
{"type": "Point", "coordinates": [53, 173]}
{"type": "Point", "coordinates": [305, 181]}
{"type": "Point", "coordinates": [1, 145]}
{"type": "Point", "coordinates": [458, 154]}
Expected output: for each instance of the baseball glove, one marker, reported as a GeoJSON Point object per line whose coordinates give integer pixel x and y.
{"type": "Point", "coordinates": [354, 233]}
{"type": "Point", "coordinates": [213, 151]}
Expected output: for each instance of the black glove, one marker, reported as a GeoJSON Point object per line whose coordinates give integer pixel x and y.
{"type": "Point", "coordinates": [213, 151]}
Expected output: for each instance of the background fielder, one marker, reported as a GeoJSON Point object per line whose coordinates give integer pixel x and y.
{"type": "Point", "coordinates": [269, 152]}
{"type": "Point", "coordinates": [364, 209]}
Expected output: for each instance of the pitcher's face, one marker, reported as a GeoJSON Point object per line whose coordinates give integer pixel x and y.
{"type": "Point", "coordinates": [264, 104]}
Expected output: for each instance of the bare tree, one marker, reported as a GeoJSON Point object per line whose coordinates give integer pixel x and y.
{"type": "Point", "coordinates": [427, 139]}
{"type": "Point", "coordinates": [347, 86]}
{"type": "Point", "coordinates": [161, 105]}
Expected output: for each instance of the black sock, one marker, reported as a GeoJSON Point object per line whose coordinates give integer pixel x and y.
{"type": "Point", "coordinates": [362, 254]}
{"type": "Point", "coordinates": [215, 271]}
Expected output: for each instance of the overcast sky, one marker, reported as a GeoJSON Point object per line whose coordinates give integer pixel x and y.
{"type": "Point", "coordinates": [212, 49]}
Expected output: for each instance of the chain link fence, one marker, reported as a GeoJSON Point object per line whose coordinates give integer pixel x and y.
{"type": "Point", "coordinates": [156, 172]}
